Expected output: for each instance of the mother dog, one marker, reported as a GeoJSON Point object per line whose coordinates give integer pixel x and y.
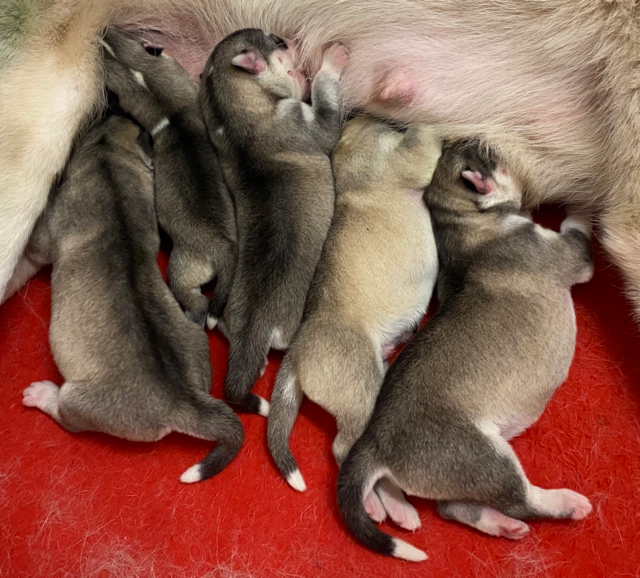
{"type": "Point", "coordinates": [553, 85]}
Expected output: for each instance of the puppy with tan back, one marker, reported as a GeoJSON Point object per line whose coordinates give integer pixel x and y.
{"type": "Point", "coordinates": [372, 287]}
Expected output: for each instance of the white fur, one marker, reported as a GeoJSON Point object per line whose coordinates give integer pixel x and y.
{"type": "Point", "coordinates": [408, 552]}
{"type": "Point", "coordinates": [546, 233]}
{"type": "Point", "coordinates": [162, 124]}
{"type": "Point", "coordinates": [296, 481]}
{"type": "Point", "coordinates": [139, 78]}
{"type": "Point", "coordinates": [263, 410]}
{"type": "Point", "coordinates": [192, 475]}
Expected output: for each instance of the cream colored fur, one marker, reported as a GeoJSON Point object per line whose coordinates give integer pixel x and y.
{"type": "Point", "coordinates": [553, 85]}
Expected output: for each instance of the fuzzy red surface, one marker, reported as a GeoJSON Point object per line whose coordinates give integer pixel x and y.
{"type": "Point", "coordinates": [93, 506]}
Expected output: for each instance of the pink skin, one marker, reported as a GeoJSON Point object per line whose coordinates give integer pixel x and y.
{"type": "Point", "coordinates": [484, 185]}
{"type": "Point", "coordinates": [302, 82]}
{"type": "Point", "coordinates": [396, 89]}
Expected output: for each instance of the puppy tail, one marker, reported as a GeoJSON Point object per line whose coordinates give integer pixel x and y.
{"type": "Point", "coordinates": [247, 357]}
{"type": "Point", "coordinates": [285, 404]}
{"type": "Point", "coordinates": [358, 475]}
{"type": "Point", "coordinates": [211, 419]}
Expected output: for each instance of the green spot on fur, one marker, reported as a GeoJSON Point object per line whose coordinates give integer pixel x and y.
{"type": "Point", "coordinates": [18, 19]}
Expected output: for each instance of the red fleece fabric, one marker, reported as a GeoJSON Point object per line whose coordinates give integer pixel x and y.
{"type": "Point", "coordinates": [93, 506]}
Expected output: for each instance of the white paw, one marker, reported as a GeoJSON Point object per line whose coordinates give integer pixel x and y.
{"type": "Point", "coordinates": [397, 507]}
{"type": "Point", "coordinates": [575, 505]}
{"type": "Point", "coordinates": [496, 523]}
{"type": "Point", "coordinates": [41, 394]}
{"type": "Point", "coordinates": [336, 57]}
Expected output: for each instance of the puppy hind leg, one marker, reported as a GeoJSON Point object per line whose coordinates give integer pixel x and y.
{"type": "Point", "coordinates": [484, 519]}
{"type": "Point", "coordinates": [396, 505]}
{"type": "Point", "coordinates": [530, 502]}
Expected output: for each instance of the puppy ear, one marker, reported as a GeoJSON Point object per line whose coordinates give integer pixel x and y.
{"type": "Point", "coordinates": [483, 185]}
{"type": "Point", "coordinates": [251, 61]}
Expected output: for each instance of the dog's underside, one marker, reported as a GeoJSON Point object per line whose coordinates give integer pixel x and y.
{"type": "Point", "coordinates": [553, 87]}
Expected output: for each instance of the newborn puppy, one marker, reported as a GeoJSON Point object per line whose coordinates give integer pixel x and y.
{"type": "Point", "coordinates": [192, 201]}
{"type": "Point", "coordinates": [482, 370]}
{"type": "Point", "coordinates": [134, 366]}
{"type": "Point", "coordinates": [371, 288]}
{"type": "Point", "coordinates": [275, 151]}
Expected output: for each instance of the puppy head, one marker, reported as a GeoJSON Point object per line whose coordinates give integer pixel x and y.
{"type": "Point", "coordinates": [252, 55]}
{"type": "Point", "coordinates": [363, 154]}
{"type": "Point", "coordinates": [125, 137]}
{"type": "Point", "coordinates": [476, 177]}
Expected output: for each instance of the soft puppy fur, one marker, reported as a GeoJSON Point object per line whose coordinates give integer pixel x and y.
{"type": "Point", "coordinates": [134, 366]}
{"type": "Point", "coordinates": [564, 110]}
{"type": "Point", "coordinates": [192, 202]}
{"type": "Point", "coordinates": [275, 150]}
{"type": "Point", "coordinates": [482, 370]}
{"type": "Point", "coordinates": [371, 288]}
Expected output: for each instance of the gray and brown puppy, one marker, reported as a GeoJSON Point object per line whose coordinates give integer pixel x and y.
{"type": "Point", "coordinates": [371, 288]}
{"type": "Point", "coordinates": [482, 370]}
{"type": "Point", "coordinates": [192, 202]}
{"type": "Point", "coordinates": [134, 365]}
{"type": "Point", "coordinates": [275, 150]}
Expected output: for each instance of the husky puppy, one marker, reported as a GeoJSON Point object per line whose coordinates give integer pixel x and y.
{"type": "Point", "coordinates": [275, 151]}
{"type": "Point", "coordinates": [192, 201]}
{"type": "Point", "coordinates": [371, 288]}
{"type": "Point", "coordinates": [482, 370]}
{"type": "Point", "coordinates": [563, 75]}
{"type": "Point", "coordinates": [134, 366]}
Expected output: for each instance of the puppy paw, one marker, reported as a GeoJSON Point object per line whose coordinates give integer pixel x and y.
{"type": "Point", "coordinates": [336, 57]}
{"type": "Point", "coordinates": [576, 505]}
{"type": "Point", "coordinates": [577, 222]}
{"type": "Point", "coordinates": [374, 507]}
{"type": "Point", "coordinates": [43, 395]}
{"type": "Point", "coordinates": [496, 523]}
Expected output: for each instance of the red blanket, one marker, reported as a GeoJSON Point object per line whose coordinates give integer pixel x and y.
{"type": "Point", "coordinates": [93, 506]}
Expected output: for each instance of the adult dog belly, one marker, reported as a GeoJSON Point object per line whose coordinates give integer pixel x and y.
{"type": "Point", "coordinates": [527, 76]}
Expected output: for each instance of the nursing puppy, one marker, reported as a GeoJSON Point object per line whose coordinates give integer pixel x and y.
{"type": "Point", "coordinates": [482, 370]}
{"type": "Point", "coordinates": [275, 153]}
{"type": "Point", "coordinates": [134, 366]}
{"type": "Point", "coordinates": [192, 201]}
{"type": "Point", "coordinates": [563, 75]}
{"type": "Point", "coordinates": [371, 288]}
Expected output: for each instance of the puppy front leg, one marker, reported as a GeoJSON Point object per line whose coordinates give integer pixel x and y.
{"type": "Point", "coordinates": [325, 90]}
